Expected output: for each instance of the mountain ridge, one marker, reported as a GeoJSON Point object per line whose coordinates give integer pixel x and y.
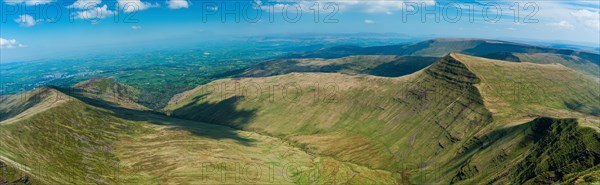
{"type": "Point", "coordinates": [107, 143]}
{"type": "Point", "coordinates": [586, 62]}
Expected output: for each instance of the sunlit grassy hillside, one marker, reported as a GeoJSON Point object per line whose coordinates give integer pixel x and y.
{"type": "Point", "coordinates": [424, 121]}
{"type": "Point", "coordinates": [88, 140]}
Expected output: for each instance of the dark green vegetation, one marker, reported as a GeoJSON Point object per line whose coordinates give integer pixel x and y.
{"type": "Point", "coordinates": [158, 75]}
{"type": "Point", "coordinates": [548, 151]}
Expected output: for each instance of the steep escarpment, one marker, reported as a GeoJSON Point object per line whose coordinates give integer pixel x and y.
{"type": "Point", "coordinates": [421, 116]}
{"type": "Point", "coordinates": [559, 148]}
{"type": "Point", "coordinates": [542, 151]}
{"type": "Point", "coordinates": [452, 71]}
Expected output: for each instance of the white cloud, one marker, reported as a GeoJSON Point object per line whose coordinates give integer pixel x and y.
{"type": "Point", "coordinates": [94, 13]}
{"type": "Point", "coordinates": [580, 13]}
{"type": "Point", "coordinates": [136, 27]}
{"type": "Point", "coordinates": [134, 5]}
{"type": "Point", "coordinates": [368, 6]}
{"type": "Point", "coordinates": [26, 20]}
{"type": "Point", "coordinates": [379, 6]}
{"type": "Point", "coordinates": [177, 4]}
{"type": "Point", "coordinates": [85, 4]}
{"type": "Point", "coordinates": [10, 43]}
{"type": "Point", "coordinates": [91, 10]}
{"type": "Point", "coordinates": [562, 25]}
{"type": "Point", "coordinates": [27, 2]}
{"type": "Point", "coordinates": [369, 21]}
{"type": "Point", "coordinates": [589, 18]}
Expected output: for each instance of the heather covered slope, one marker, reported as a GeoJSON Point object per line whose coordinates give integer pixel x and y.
{"type": "Point", "coordinates": [423, 121]}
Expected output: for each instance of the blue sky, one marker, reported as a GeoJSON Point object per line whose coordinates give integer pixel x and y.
{"type": "Point", "coordinates": [40, 28]}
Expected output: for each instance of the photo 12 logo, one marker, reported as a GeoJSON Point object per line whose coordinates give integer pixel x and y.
{"type": "Point", "coordinates": [29, 13]}
{"type": "Point", "coordinates": [125, 11]}
{"type": "Point", "coordinates": [483, 11]}
{"type": "Point", "coordinates": [271, 12]}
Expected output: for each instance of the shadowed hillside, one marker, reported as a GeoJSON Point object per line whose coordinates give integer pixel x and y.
{"type": "Point", "coordinates": [377, 65]}
{"type": "Point", "coordinates": [107, 91]}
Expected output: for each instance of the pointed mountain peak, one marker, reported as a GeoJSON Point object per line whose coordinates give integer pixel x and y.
{"type": "Point", "coordinates": [450, 68]}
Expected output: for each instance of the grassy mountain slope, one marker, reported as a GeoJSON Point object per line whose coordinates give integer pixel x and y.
{"type": "Point", "coordinates": [27, 103]}
{"type": "Point", "coordinates": [521, 89]}
{"type": "Point", "coordinates": [89, 141]}
{"type": "Point", "coordinates": [571, 61]}
{"type": "Point", "coordinates": [376, 114]}
{"type": "Point", "coordinates": [82, 134]}
{"type": "Point", "coordinates": [422, 122]}
{"type": "Point", "coordinates": [378, 65]}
